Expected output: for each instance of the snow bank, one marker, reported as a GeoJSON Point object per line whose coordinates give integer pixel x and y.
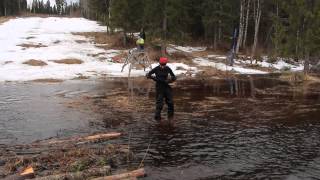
{"type": "Point", "coordinates": [224, 67]}
{"type": "Point", "coordinates": [217, 56]}
{"type": "Point", "coordinates": [280, 65]}
{"type": "Point", "coordinates": [187, 49]}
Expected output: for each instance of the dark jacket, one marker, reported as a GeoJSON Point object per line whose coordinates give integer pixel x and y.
{"type": "Point", "coordinates": [142, 35]}
{"type": "Point", "coordinates": [161, 75]}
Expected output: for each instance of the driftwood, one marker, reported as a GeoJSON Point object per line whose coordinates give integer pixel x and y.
{"type": "Point", "coordinates": [82, 140]}
{"type": "Point", "coordinates": [129, 175]}
{"type": "Point", "coordinates": [79, 175]}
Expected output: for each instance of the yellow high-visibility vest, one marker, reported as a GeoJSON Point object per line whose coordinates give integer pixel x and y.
{"type": "Point", "coordinates": [140, 41]}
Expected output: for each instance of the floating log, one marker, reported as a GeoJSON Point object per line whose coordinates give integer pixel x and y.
{"type": "Point", "coordinates": [86, 174]}
{"type": "Point", "coordinates": [129, 175]}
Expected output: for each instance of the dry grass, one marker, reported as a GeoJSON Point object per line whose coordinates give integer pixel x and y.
{"type": "Point", "coordinates": [210, 72]}
{"type": "Point", "coordinates": [67, 159]}
{"type": "Point", "coordinates": [32, 45]}
{"type": "Point", "coordinates": [81, 77]}
{"type": "Point", "coordinates": [33, 62]}
{"type": "Point", "coordinates": [299, 77]}
{"type": "Point", "coordinates": [80, 41]}
{"type": "Point", "coordinates": [68, 61]}
{"type": "Point", "coordinates": [5, 19]}
{"type": "Point", "coordinates": [105, 40]}
{"type": "Point", "coordinates": [98, 37]}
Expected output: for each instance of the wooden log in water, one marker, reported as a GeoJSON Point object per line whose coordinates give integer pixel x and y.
{"type": "Point", "coordinates": [94, 172]}
{"type": "Point", "coordinates": [129, 175]}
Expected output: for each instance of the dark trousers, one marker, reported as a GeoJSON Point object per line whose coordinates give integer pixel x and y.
{"type": "Point", "coordinates": [164, 92]}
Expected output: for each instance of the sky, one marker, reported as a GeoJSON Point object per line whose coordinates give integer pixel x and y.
{"type": "Point", "coordinates": [52, 2]}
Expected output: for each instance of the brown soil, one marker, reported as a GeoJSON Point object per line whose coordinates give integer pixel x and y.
{"type": "Point", "coordinates": [8, 62]}
{"type": "Point", "coordinates": [32, 45]}
{"type": "Point", "coordinates": [30, 37]}
{"type": "Point", "coordinates": [68, 61]}
{"type": "Point", "coordinates": [80, 41]}
{"type": "Point", "coordinates": [48, 80]}
{"type": "Point", "coordinates": [33, 62]}
{"type": "Point", "coordinates": [57, 42]}
{"type": "Point", "coordinates": [96, 55]}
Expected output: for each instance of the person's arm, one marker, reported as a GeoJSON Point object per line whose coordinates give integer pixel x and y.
{"type": "Point", "coordinates": [173, 76]}
{"type": "Point", "coordinates": [149, 74]}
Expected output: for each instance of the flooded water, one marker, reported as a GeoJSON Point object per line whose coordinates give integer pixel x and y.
{"type": "Point", "coordinates": [237, 128]}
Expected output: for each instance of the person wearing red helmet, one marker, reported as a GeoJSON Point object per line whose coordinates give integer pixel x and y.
{"type": "Point", "coordinates": [163, 88]}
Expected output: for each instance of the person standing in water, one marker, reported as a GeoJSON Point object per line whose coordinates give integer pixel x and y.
{"type": "Point", "coordinates": [163, 88]}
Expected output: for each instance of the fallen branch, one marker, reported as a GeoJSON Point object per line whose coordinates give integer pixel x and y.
{"type": "Point", "coordinates": [79, 175]}
{"type": "Point", "coordinates": [129, 175]}
{"type": "Point", "coordinates": [94, 138]}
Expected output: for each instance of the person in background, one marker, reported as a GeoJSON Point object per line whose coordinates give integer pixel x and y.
{"type": "Point", "coordinates": [163, 88]}
{"type": "Point", "coordinates": [140, 44]}
{"type": "Point", "coordinates": [142, 34]}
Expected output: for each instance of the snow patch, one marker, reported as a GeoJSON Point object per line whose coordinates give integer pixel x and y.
{"type": "Point", "coordinates": [224, 67]}
{"type": "Point", "coordinates": [59, 43]}
{"type": "Point", "coordinates": [187, 49]}
{"type": "Point", "coordinates": [214, 56]}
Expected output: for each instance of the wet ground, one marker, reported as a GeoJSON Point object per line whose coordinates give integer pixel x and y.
{"type": "Point", "coordinates": [237, 128]}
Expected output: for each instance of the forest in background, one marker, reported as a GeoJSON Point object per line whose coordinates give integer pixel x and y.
{"type": "Point", "coordinates": [21, 7]}
{"type": "Point", "coordinates": [289, 29]}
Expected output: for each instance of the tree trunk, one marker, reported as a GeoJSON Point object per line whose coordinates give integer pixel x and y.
{"type": "Point", "coordinates": [240, 26]}
{"type": "Point", "coordinates": [164, 30]}
{"type": "Point", "coordinates": [246, 26]}
{"type": "Point", "coordinates": [109, 15]}
{"type": "Point", "coordinates": [215, 39]}
{"type": "Point", "coordinates": [220, 22]}
{"type": "Point", "coordinates": [307, 64]}
{"type": "Point", "coordinates": [298, 42]}
{"type": "Point", "coordinates": [19, 6]}
{"type": "Point", "coordinates": [257, 16]}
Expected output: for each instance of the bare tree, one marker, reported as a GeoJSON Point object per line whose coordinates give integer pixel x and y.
{"type": "Point", "coordinates": [257, 16]}
{"type": "Point", "coordinates": [246, 26]}
{"type": "Point", "coordinates": [241, 25]}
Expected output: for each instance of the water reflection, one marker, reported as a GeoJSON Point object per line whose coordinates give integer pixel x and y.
{"type": "Point", "coordinates": [237, 128]}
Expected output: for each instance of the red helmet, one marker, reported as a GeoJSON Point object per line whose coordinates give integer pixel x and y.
{"type": "Point", "coordinates": [163, 60]}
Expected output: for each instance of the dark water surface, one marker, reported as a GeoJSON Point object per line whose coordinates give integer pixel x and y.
{"type": "Point", "coordinates": [244, 128]}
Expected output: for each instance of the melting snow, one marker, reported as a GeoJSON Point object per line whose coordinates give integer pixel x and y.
{"type": "Point", "coordinates": [187, 49]}
{"type": "Point", "coordinates": [224, 67]}
{"type": "Point", "coordinates": [57, 42]}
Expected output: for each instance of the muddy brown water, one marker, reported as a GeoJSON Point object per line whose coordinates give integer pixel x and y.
{"type": "Point", "coordinates": [255, 127]}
